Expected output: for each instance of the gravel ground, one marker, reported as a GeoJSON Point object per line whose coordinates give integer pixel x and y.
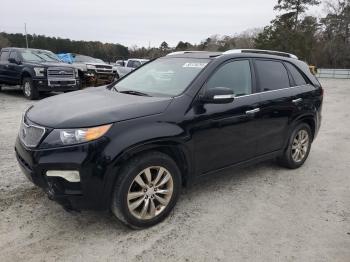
{"type": "Point", "coordinates": [261, 213]}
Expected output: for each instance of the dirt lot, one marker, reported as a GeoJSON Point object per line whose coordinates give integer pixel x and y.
{"type": "Point", "coordinates": [262, 213]}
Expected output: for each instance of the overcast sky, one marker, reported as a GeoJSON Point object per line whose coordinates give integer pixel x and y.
{"type": "Point", "coordinates": [136, 22]}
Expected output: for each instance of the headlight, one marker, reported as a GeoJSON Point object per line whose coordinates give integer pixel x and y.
{"type": "Point", "coordinates": [39, 71]}
{"type": "Point", "coordinates": [76, 72]}
{"type": "Point", "coordinates": [61, 137]}
{"type": "Point", "coordinates": [90, 67]}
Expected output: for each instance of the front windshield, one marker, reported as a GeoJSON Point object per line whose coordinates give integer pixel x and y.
{"type": "Point", "coordinates": [87, 59]}
{"type": "Point", "coordinates": [163, 77]}
{"type": "Point", "coordinates": [38, 56]}
{"type": "Point", "coordinates": [48, 56]}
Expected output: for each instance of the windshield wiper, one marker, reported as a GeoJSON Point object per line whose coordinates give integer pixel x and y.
{"type": "Point", "coordinates": [132, 92]}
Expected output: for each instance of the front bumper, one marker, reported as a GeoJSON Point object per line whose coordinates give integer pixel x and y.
{"type": "Point", "coordinates": [59, 85]}
{"type": "Point", "coordinates": [88, 159]}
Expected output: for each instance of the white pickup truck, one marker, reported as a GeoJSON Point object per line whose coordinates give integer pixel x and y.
{"type": "Point", "coordinates": [122, 68]}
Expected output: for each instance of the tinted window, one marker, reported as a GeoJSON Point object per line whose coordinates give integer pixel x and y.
{"type": "Point", "coordinates": [235, 75]}
{"type": "Point", "coordinates": [4, 56]}
{"type": "Point", "coordinates": [136, 64]}
{"type": "Point", "coordinates": [297, 76]}
{"type": "Point", "coordinates": [272, 75]}
{"type": "Point", "coordinates": [13, 54]}
{"type": "Point", "coordinates": [130, 63]}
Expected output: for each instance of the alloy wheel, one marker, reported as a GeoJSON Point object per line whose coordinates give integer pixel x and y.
{"type": "Point", "coordinates": [27, 89]}
{"type": "Point", "coordinates": [150, 192]}
{"type": "Point", "coordinates": [300, 145]}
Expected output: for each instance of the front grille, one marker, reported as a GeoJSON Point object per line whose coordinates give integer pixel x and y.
{"type": "Point", "coordinates": [60, 72]}
{"type": "Point", "coordinates": [62, 82]}
{"type": "Point", "coordinates": [30, 135]}
{"type": "Point", "coordinates": [104, 71]}
{"type": "Point", "coordinates": [23, 162]}
{"type": "Point", "coordinates": [104, 66]}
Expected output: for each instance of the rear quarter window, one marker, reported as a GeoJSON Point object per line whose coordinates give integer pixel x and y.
{"type": "Point", "coordinates": [272, 75]}
{"type": "Point", "coordinates": [297, 76]}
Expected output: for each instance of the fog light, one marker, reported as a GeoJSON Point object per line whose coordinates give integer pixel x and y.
{"type": "Point", "coordinates": [69, 175]}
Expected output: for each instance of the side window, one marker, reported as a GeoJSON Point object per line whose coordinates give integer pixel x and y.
{"type": "Point", "coordinates": [235, 75]}
{"type": "Point", "coordinates": [297, 76]}
{"type": "Point", "coordinates": [130, 63]}
{"type": "Point", "coordinates": [4, 56]}
{"type": "Point", "coordinates": [272, 75]}
{"type": "Point", "coordinates": [136, 64]}
{"type": "Point", "coordinates": [13, 54]}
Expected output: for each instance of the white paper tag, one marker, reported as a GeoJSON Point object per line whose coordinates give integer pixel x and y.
{"type": "Point", "coordinates": [195, 65]}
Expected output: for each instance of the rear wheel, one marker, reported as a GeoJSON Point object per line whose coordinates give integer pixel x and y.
{"type": "Point", "coordinates": [298, 148]}
{"type": "Point", "coordinates": [146, 190]}
{"type": "Point", "coordinates": [29, 90]}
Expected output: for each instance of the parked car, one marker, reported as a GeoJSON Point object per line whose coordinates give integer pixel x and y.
{"type": "Point", "coordinates": [123, 68]}
{"type": "Point", "coordinates": [131, 146]}
{"type": "Point", "coordinates": [92, 71]}
{"type": "Point", "coordinates": [35, 71]}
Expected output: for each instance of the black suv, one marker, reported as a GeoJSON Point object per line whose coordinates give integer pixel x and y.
{"type": "Point", "coordinates": [36, 70]}
{"type": "Point", "coordinates": [131, 146]}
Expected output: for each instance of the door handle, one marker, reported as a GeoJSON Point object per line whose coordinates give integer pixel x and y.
{"type": "Point", "coordinates": [296, 101]}
{"type": "Point", "coordinates": [252, 112]}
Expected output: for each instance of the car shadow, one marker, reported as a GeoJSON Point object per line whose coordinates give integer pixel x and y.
{"type": "Point", "coordinates": [232, 178]}
{"type": "Point", "coordinates": [17, 92]}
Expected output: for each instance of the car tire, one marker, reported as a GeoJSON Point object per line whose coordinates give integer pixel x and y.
{"type": "Point", "coordinates": [298, 148]}
{"type": "Point", "coordinates": [29, 90]}
{"type": "Point", "coordinates": [140, 206]}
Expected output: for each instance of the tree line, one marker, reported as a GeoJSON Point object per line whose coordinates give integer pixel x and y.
{"type": "Point", "coordinates": [105, 51]}
{"type": "Point", "coordinates": [321, 41]}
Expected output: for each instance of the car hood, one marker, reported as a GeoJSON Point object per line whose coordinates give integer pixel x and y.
{"type": "Point", "coordinates": [49, 64]}
{"type": "Point", "coordinates": [93, 107]}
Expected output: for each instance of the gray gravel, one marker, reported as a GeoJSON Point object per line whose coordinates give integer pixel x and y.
{"type": "Point", "coordinates": [261, 213]}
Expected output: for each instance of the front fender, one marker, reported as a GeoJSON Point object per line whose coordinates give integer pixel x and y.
{"type": "Point", "coordinates": [27, 71]}
{"type": "Point", "coordinates": [139, 138]}
{"type": "Point", "coordinates": [126, 136]}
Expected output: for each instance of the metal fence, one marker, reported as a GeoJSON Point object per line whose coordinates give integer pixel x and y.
{"type": "Point", "coordinates": [333, 73]}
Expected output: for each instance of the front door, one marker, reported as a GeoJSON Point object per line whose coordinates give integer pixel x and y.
{"type": "Point", "coordinates": [14, 69]}
{"type": "Point", "coordinates": [224, 134]}
{"type": "Point", "coordinates": [4, 66]}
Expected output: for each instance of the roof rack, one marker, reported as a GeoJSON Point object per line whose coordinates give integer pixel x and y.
{"type": "Point", "coordinates": [260, 51]}
{"type": "Point", "coordinates": [185, 52]}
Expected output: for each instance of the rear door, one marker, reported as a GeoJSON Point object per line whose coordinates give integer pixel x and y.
{"type": "Point", "coordinates": [304, 91]}
{"type": "Point", "coordinates": [276, 106]}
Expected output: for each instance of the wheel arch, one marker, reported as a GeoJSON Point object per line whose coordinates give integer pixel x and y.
{"type": "Point", "coordinates": [25, 74]}
{"type": "Point", "coordinates": [175, 150]}
{"type": "Point", "coordinates": [309, 120]}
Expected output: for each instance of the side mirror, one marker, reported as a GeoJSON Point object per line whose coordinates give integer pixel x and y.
{"type": "Point", "coordinates": [14, 61]}
{"type": "Point", "coordinates": [218, 95]}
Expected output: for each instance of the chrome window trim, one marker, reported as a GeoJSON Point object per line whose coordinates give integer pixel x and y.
{"type": "Point", "coordinates": [272, 91]}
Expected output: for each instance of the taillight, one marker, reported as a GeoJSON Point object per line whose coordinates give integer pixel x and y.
{"type": "Point", "coordinates": [322, 90]}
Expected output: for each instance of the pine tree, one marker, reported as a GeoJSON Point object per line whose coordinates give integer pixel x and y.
{"type": "Point", "coordinates": [295, 7]}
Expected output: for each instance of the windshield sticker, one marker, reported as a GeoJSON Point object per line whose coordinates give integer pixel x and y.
{"type": "Point", "coordinates": [194, 65]}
